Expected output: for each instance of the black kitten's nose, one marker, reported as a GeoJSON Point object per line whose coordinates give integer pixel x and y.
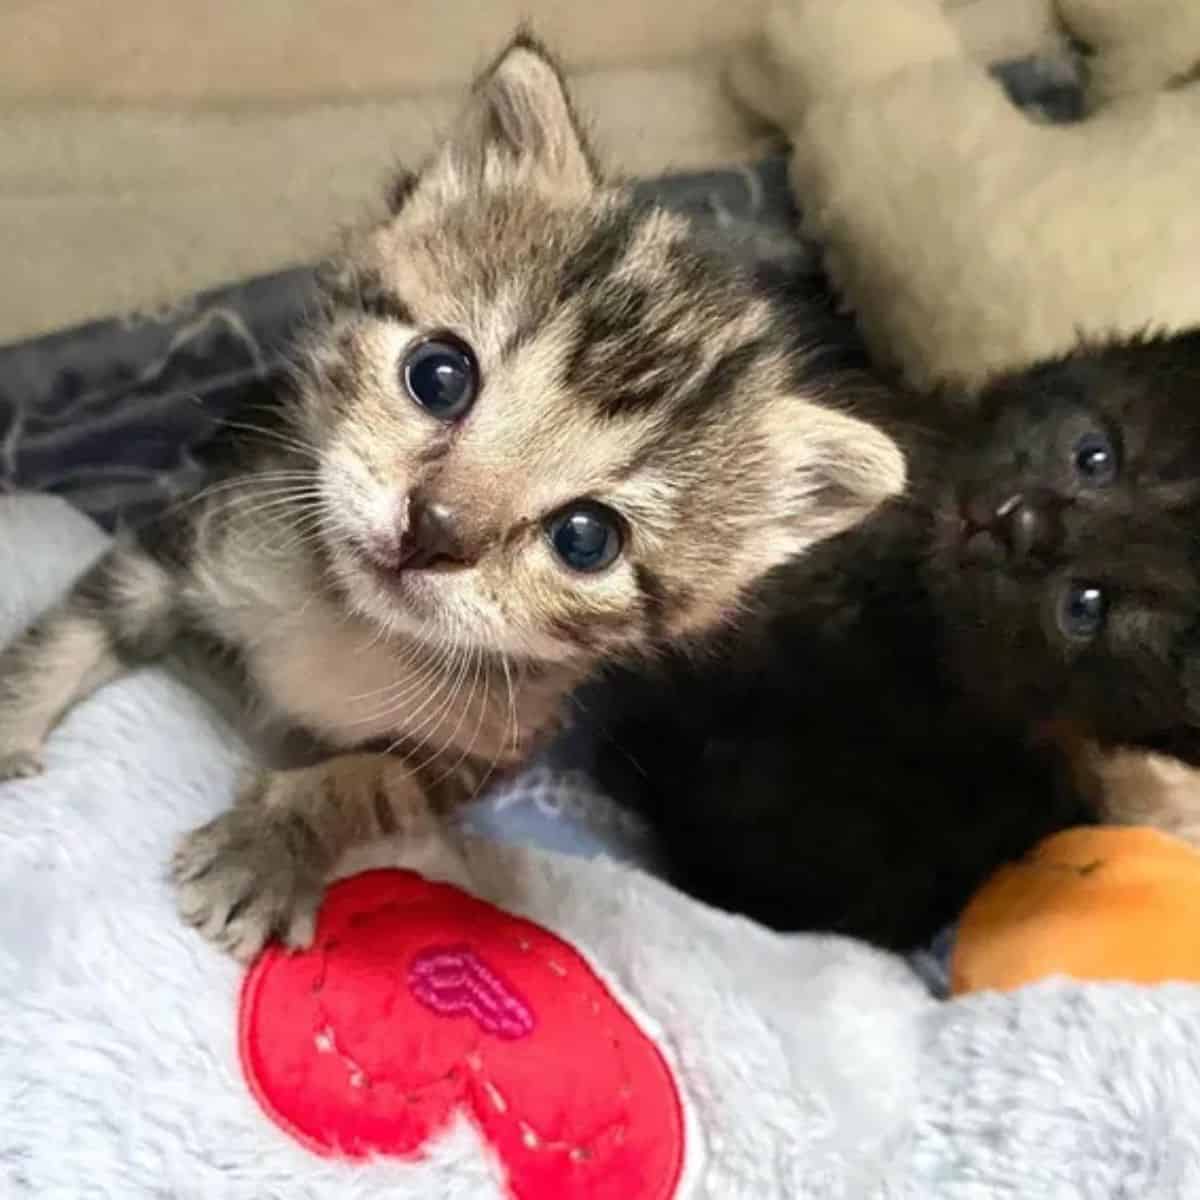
{"type": "Point", "coordinates": [431, 538]}
{"type": "Point", "coordinates": [1021, 522]}
{"type": "Point", "coordinates": [1024, 527]}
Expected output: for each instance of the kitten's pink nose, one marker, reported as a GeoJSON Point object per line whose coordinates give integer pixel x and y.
{"type": "Point", "coordinates": [431, 537]}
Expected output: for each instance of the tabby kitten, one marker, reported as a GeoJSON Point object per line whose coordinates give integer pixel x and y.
{"type": "Point", "coordinates": [901, 715]}
{"type": "Point", "coordinates": [541, 427]}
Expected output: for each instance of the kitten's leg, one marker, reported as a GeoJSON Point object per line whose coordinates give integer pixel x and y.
{"type": "Point", "coordinates": [260, 869]}
{"type": "Point", "coordinates": [1144, 788]}
{"type": "Point", "coordinates": [118, 613]}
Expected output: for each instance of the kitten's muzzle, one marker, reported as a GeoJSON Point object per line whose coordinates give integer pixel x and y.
{"type": "Point", "coordinates": [429, 538]}
{"type": "Point", "coordinates": [1023, 524]}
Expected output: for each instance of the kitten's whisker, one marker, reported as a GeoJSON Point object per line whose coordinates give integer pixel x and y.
{"type": "Point", "coordinates": [485, 671]}
{"type": "Point", "coordinates": [432, 666]}
{"type": "Point", "coordinates": [448, 690]}
{"type": "Point", "coordinates": [288, 441]}
{"type": "Point", "coordinates": [404, 690]}
{"type": "Point", "coordinates": [429, 726]}
{"type": "Point", "coordinates": [401, 693]}
{"type": "Point", "coordinates": [479, 669]}
{"type": "Point", "coordinates": [442, 679]}
{"type": "Point", "coordinates": [290, 515]}
{"type": "Point", "coordinates": [510, 719]}
{"type": "Point", "coordinates": [280, 497]}
{"type": "Point", "coordinates": [301, 519]}
{"type": "Point", "coordinates": [367, 647]}
{"type": "Point", "coordinates": [404, 739]}
{"type": "Point", "coordinates": [281, 520]}
{"type": "Point", "coordinates": [280, 490]}
{"type": "Point", "coordinates": [222, 487]}
{"type": "Point", "coordinates": [512, 705]}
{"type": "Point", "coordinates": [415, 654]}
{"type": "Point", "coordinates": [451, 738]}
{"type": "Point", "coordinates": [301, 500]}
{"type": "Point", "coordinates": [251, 483]}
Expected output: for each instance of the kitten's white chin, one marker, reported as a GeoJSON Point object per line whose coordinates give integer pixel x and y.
{"type": "Point", "coordinates": [397, 602]}
{"type": "Point", "coordinates": [415, 605]}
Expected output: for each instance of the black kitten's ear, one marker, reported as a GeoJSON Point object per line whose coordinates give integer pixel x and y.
{"type": "Point", "coordinates": [518, 122]}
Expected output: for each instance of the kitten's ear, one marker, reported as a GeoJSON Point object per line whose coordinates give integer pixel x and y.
{"type": "Point", "coordinates": [836, 470]}
{"type": "Point", "coordinates": [519, 120]}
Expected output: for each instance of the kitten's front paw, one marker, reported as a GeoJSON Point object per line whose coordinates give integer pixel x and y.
{"type": "Point", "coordinates": [19, 764]}
{"type": "Point", "coordinates": [247, 877]}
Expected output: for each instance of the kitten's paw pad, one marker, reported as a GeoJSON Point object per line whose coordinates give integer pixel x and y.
{"type": "Point", "coordinates": [248, 877]}
{"type": "Point", "coordinates": [20, 764]}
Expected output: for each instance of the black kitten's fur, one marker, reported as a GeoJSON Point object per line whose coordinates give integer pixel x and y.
{"type": "Point", "coordinates": [874, 741]}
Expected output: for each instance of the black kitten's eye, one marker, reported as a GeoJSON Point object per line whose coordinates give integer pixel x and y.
{"type": "Point", "coordinates": [585, 535]}
{"type": "Point", "coordinates": [1095, 459]}
{"type": "Point", "coordinates": [441, 376]}
{"type": "Point", "coordinates": [1082, 608]}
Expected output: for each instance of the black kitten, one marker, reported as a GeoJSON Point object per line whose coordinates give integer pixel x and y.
{"type": "Point", "coordinates": [877, 737]}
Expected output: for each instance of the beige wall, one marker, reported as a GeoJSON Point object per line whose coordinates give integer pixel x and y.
{"type": "Point", "coordinates": [238, 50]}
{"type": "Point", "coordinates": [152, 147]}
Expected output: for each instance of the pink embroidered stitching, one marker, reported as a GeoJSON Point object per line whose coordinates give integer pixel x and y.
{"type": "Point", "coordinates": [452, 980]}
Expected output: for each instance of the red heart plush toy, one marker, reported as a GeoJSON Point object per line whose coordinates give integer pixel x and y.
{"type": "Point", "coordinates": [418, 1001]}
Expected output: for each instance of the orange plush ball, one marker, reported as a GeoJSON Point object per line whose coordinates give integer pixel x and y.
{"type": "Point", "coordinates": [1115, 903]}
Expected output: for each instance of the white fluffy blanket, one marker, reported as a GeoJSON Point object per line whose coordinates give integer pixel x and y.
{"type": "Point", "coordinates": [805, 1066]}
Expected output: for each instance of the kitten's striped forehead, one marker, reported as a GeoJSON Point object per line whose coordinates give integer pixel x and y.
{"type": "Point", "coordinates": [602, 328]}
{"type": "Point", "coordinates": [617, 298]}
{"type": "Point", "coordinates": [615, 367]}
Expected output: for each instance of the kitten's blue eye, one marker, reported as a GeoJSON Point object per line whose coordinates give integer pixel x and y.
{"type": "Point", "coordinates": [585, 536]}
{"type": "Point", "coordinates": [1082, 609]}
{"type": "Point", "coordinates": [441, 376]}
{"type": "Point", "coordinates": [1095, 459]}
